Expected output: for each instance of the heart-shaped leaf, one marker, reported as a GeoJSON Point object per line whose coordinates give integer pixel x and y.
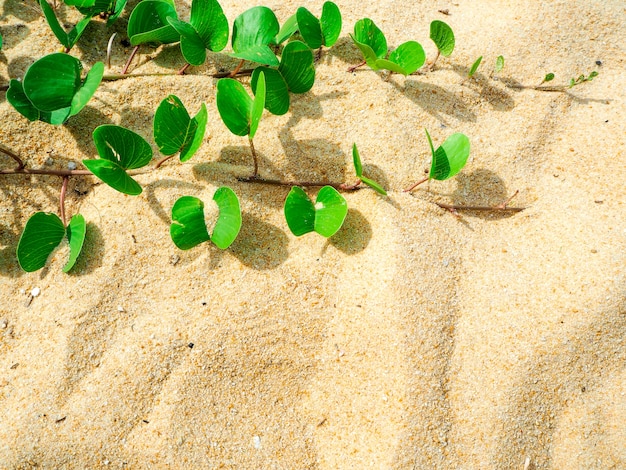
{"type": "Point", "coordinates": [208, 19]}
{"type": "Point", "coordinates": [297, 68]}
{"type": "Point", "coordinates": [331, 23]}
{"type": "Point", "coordinates": [370, 40]}
{"type": "Point", "coordinates": [191, 44]}
{"type": "Point", "coordinates": [325, 217]}
{"type": "Point", "coordinates": [234, 105]}
{"type": "Point", "coordinates": [175, 131]}
{"type": "Point", "coordinates": [450, 157]}
{"type": "Point", "coordinates": [229, 220]}
{"type": "Point", "coordinates": [120, 149]}
{"type": "Point", "coordinates": [277, 94]}
{"type": "Point", "coordinates": [52, 81]}
{"type": "Point", "coordinates": [253, 31]}
{"type": "Point", "coordinates": [42, 234]}
{"type": "Point", "coordinates": [410, 56]}
{"type": "Point", "coordinates": [188, 227]}
{"type": "Point", "coordinates": [148, 23]}
{"type": "Point", "coordinates": [76, 231]}
{"type": "Point", "coordinates": [287, 30]}
{"type": "Point", "coordinates": [310, 28]}
{"type": "Point", "coordinates": [443, 37]}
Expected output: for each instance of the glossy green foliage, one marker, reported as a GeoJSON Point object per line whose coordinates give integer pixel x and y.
{"type": "Point", "coordinates": [295, 73]}
{"type": "Point", "coordinates": [406, 59]}
{"type": "Point", "coordinates": [322, 32]}
{"type": "Point", "coordinates": [253, 31]}
{"type": "Point", "coordinates": [287, 30]}
{"type": "Point", "coordinates": [443, 37]}
{"type": "Point", "coordinates": [240, 113]}
{"type": "Point", "coordinates": [43, 233]}
{"type": "Point", "coordinates": [325, 217]}
{"type": "Point", "coordinates": [67, 39]}
{"type": "Point", "coordinates": [189, 229]}
{"type": "Point", "coordinates": [548, 78]}
{"type": "Point", "coordinates": [450, 157]}
{"type": "Point", "coordinates": [175, 131]}
{"type": "Point", "coordinates": [358, 168]}
{"type": "Point", "coordinates": [0, 41]}
{"type": "Point", "coordinates": [120, 149]}
{"type": "Point", "coordinates": [148, 23]}
{"type": "Point", "coordinates": [52, 90]}
{"type": "Point", "coordinates": [474, 67]}
{"type": "Point", "coordinates": [111, 9]}
{"type": "Point", "coordinates": [207, 29]}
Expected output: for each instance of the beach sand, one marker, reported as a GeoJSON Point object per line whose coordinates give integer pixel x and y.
{"type": "Point", "coordinates": [412, 339]}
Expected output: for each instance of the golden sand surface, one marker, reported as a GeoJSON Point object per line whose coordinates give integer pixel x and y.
{"type": "Point", "coordinates": [412, 339]}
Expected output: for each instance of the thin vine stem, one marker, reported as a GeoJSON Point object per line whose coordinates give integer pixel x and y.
{"type": "Point", "coordinates": [306, 184]}
{"type": "Point", "coordinates": [10, 153]}
{"type": "Point", "coordinates": [62, 198]}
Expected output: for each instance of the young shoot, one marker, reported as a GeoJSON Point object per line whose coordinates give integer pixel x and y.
{"type": "Point", "coordinates": [325, 217]}
{"type": "Point", "coordinates": [443, 37]}
{"type": "Point", "coordinates": [67, 39]}
{"type": "Point", "coordinates": [323, 32]}
{"type": "Point", "coordinates": [175, 131]}
{"type": "Point", "coordinates": [189, 228]}
{"type": "Point", "coordinates": [240, 113]}
{"type": "Point", "coordinates": [499, 65]}
{"type": "Point", "coordinates": [253, 31]}
{"type": "Point", "coordinates": [449, 158]}
{"type": "Point", "coordinates": [295, 74]}
{"type": "Point", "coordinates": [148, 23]}
{"type": "Point", "coordinates": [52, 90]}
{"type": "Point", "coordinates": [120, 149]}
{"type": "Point", "coordinates": [474, 67]}
{"type": "Point", "coordinates": [358, 168]}
{"type": "Point", "coordinates": [44, 232]}
{"type": "Point", "coordinates": [406, 59]}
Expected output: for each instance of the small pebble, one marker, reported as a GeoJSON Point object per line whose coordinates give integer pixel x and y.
{"type": "Point", "coordinates": [120, 308]}
{"type": "Point", "coordinates": [71, 165]}
{"type": "Point", "coordinates": [257, 442]}
{"type": "Point", "coordinates": [4, 324]}
{"type": "Point", "coordinates": [49, 161]}
{"type": "Point", "coordinates": [35, 292]}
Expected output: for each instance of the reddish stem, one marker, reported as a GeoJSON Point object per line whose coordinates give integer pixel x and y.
{"type": "Point", "coordinates": [354, 67]}
{"type": "Point", "coordinates": [130, 59]}
{"type": "Point", "coordinates": [182, 71]}
{"type": "Point", "coordinates": [237, 69]}
{"type": "Point", "coordinates": [308, 184]}
{"type": "Point", "coordinates": [6, 151]}
{"type": "Point", "coordinates": [417, 184]}
{"type": "Point", "coordinates": [255, 174]}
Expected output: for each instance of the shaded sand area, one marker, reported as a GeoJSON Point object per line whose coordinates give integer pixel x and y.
{"type": "Point", "coordinates": [413, 339]}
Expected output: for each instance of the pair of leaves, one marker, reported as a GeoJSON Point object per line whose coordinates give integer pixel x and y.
{"type": "Point", "coordinates": [450, 157]}
{"type": "Point", "coordinates": [52, 90]}
{"type": "Point", "coordinates": [207, 29]}
{"type": "Point", "coordinates": [43, 233]}
{"type": "Point", "coordinates": [120, 149]}
{"type": "Point", "coordinates": [498, 67]}
{"type": "Point", "coordinates": [325, 217]}
{"type": "Point", "coordinates": [148, 23]}
{"type": "Point", "coordinates": [112, 9]}
{"type": "Point", "coordinates": [175, 131]}
{"type": "Point", "coordinates": [253, 31]}
{"type": "Point", "coordinates": [406, 59]}
{"type": "Point", "coordinates": [295, 73]}
{"type": "Point", "coordinates": [240, 113]}
{"type": "Point", "coordinates": [67, 39]}
{"type": "Point", "coordinates": [358, 168]}
{"type": "Point", "coordinates": [315, 33]}
{"type": "Point", "coordinates": [189, 229]}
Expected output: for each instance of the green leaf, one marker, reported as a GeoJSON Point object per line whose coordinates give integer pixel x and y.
{"type": "Point", "coordinates": [287, 30]}
{"type": "Point", "coordinates": [331, 23]}
{"type": "Point", "coordinates": [299, 212]}
{"type": "Point", "coordinates": [443, 37]}
{"type": "Point", "coordinates": [229, 220]}
{"type": "Point", "coordinates": [76, 231]}
{"type": "Point", "coordinates": [88, 88]}
{"type": "Point", "coordinates": [68, 40]}
{"type": "Point", "coordinates": [310, 28]}
{"type": "Point", "coordinates": [0, 41]}
{"type": "Point", "coordinates": [356, 158]}
{"type": "Point", "coordinates": [367, 34]}
{"type": "Point", "coordinates": [297, 68]}
{"type": "Point", "coordinates": [499, 64]}
{"type": "Point", "coordinates": [325, 217]}
{"type": "Point", "coordinates": [257, 105]}
{"type": "Point", "coordinates": [191, 44]}
{"type": "Point", "coordinates": [330, 211]}
{"type": "Point", "coordinates": [42, 234]}
{"type": "Point", "coordinates": [450, 157]}
{"type": "Point", "coordinates": [148, 23]}
{"type": "Point", "coordinates": [188, 228]}
{"type": "Point", "coordinates": [208, 19]}
{"type": "Point", "coordinates": [18, 99]}
{"type": "Point", "coordinates": [120, 149]}
{"type": "Point", "coordinates": [474, 67]}
{"type": "Point", "coordinates": [253, 30]}
{"type": "Point", "coordinates": [234, 106]}
{"type": "Point", "coordinates": [51, 82]}
{"type": "Point", "coordinates": [374, 185]}
{"type": "Point", "coordinates": [410, 56]}
{"type": "Point", "coordinates": [549, 77]}
{"type": "Point", "coordinates": [175, 131]}
{"type": "Point", "coordinates": [117, 11]}
{"type": "Point", "coordinates": [277, 94]}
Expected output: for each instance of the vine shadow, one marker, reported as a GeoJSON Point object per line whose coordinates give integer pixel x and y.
{"type": "Point", "coordinates": [151, 189]}
{"type": "Point", "coordinates": [499, 99]}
